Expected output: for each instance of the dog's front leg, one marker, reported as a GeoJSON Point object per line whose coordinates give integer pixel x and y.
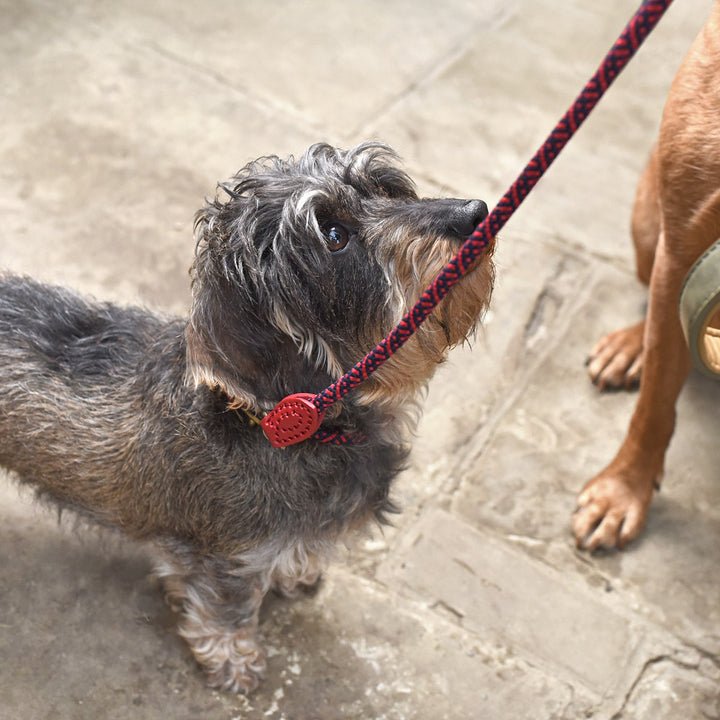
{"type": "Point", "coordinates": [219, 609]}
{"type": "Point", "coordinates": [612, 507]}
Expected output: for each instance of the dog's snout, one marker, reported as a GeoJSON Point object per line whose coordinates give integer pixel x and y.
{"type": "Point", "coordinates": [466, 217]}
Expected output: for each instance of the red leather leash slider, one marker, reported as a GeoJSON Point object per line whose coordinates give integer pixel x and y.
{"type": "Point", "coordinates": [294, 419]}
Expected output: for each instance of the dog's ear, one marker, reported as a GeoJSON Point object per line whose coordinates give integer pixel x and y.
{"type": "Point", "coordinates": [236, 339]}
{"type": "Point", "coordinates": [211, 365]}
{"type": "Point", "coordinates": [221, 338]}
{"type": "Point", "coordinates": [232, 348]}
{"type": "Point", "coordinates": [204, 369]}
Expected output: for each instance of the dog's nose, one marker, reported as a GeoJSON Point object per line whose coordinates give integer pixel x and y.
{"type": "Point", "coordinates": [466, 217]}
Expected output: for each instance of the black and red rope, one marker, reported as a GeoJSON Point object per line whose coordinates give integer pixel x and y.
{"type": "Point", "coordinates": [635, 32]}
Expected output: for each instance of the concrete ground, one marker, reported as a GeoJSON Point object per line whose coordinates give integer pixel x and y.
{"type": "Point", "coordinates": [118, 117]}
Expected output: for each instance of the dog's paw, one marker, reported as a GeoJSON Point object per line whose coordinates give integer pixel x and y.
{"type": "Point", "coordinates": [295, 579]}
{"type": "Point", "coordinates": [611, 511]}
{"type": "Point", "coordinates": [616, 361]}
{"type": "Point", "coordinates": [234, 663]}
{"type": "Point", "coordinates": [292, 587]}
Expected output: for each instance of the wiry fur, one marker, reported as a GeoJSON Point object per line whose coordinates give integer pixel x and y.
{"type": "Point", "coordinates": [129, 418]}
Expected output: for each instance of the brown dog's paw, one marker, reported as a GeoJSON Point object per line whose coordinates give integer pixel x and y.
{"type": "Point", "coordinates": [616, 361]}
{"type": "Point", "coordinates": [611, 511]}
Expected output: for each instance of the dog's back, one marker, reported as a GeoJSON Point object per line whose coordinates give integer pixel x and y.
{"type": "Point", "coordinates": [66, 367]}
{"type": "Point", "coordinates": [47, 333]}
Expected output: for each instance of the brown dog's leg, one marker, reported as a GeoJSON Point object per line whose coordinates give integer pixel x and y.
{"type": "Point", "coordinates": [612, 507]}
{"type": "Point", "coordinates": [679, 194]}
{"type": "Point", "coordinates": [616, 360]}
{"type": "Point", "coordinates": [646, 221]}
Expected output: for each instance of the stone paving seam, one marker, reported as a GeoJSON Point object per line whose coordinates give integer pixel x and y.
{"type": "Point", "coordinates": [649, 640]}
{"type": "Point", "coordinates": [433, 70]}
{"type": "Point", "coordinates": [269, 104]}
{"type": "Point", "coordinates": [573, 303]}
{"type": "Point", "coordinates": [415, 607]}
{"type": "Point", "coordinates": [426, 76]}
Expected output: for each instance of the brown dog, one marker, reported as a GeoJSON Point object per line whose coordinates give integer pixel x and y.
{"type": "Point", "coordinates": [675, 219]}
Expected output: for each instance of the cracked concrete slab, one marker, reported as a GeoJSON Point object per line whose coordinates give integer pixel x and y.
{"type": "Point", "coordinates": [500, 593]}
{"type": "Point", "coordinates": [559, 429]}
{"type": "Point", "coordinates": [668, 689]}
{"type": "Point", "coordinates": [325, 65]}
{"type": "Point", "coordinates": [534, 289]}
{"type": "Point", "coordinates": [560, 432]}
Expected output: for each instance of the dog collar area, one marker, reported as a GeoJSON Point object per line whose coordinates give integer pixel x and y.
{"type": "Point", "coordinates": [699, 308]}
{"type": "Point", "coordinates": [296, 418]}
{"type": "Point", "coordinates": [293, 420]}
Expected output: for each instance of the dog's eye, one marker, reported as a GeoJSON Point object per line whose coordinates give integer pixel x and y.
{"type": "Point", "coordinates": [336, 237]}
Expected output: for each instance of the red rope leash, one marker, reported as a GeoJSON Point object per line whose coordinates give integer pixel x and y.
{"type": "Point", "coordinates": [298, 417]}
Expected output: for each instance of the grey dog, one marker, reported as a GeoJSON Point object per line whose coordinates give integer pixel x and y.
{"type": "Point", "coordinates": [142, 423]}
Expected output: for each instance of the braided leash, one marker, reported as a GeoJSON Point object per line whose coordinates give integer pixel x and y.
{"type": "Point", "coordinates": [298, 417]}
